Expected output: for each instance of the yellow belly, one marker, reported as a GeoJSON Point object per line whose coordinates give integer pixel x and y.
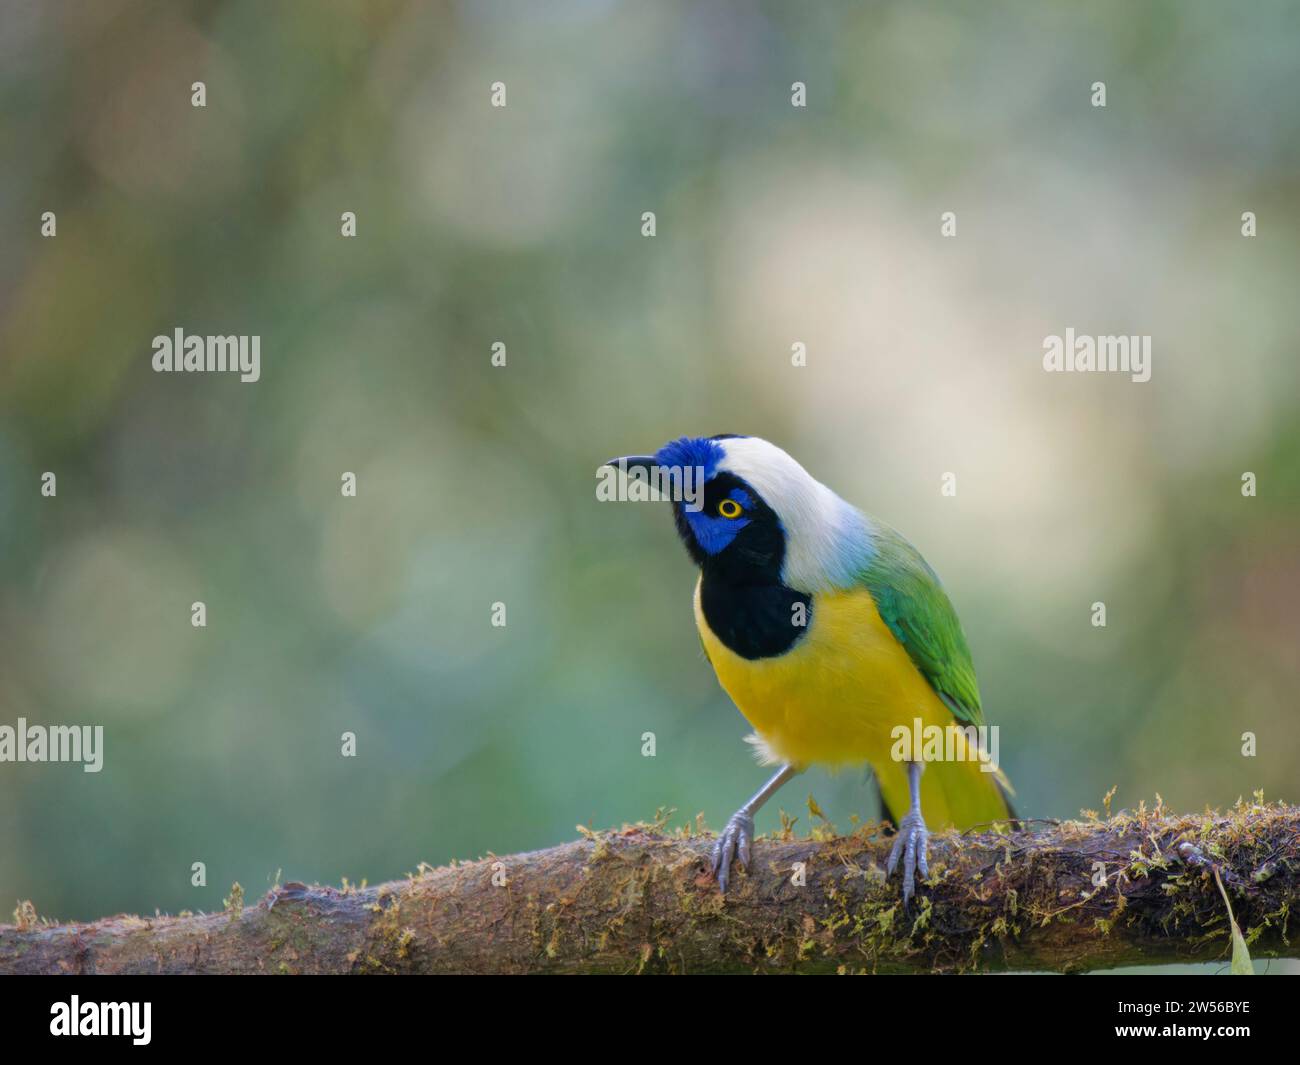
{"type": "Point", "coordinates": [835, 697]}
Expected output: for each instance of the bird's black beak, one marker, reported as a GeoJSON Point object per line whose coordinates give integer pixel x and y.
{"type": "Point", "coordinates": [633, 462]}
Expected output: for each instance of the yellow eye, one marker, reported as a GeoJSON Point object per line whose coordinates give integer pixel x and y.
{"type": "Point", "coordinates": [729, 508]}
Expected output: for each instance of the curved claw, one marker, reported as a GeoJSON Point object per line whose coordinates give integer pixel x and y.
{"type": "Point", "coordinates": [734, 843]}
{"type": "Point", "coordinates": [912, 844]}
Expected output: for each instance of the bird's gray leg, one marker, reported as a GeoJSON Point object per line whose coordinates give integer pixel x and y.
{"type": "Point", "coordinates": [739, 833]}
{"type": "Point", "coordinates": [913, 839]}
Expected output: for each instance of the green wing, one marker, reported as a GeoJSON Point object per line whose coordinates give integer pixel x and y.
{"type": "Point", "coordinates": [912, 602]}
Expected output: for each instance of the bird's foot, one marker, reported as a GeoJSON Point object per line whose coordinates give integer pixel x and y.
{"type": "Point", "coordinates": [912, 844]}
{"type": "Point", "coordinates": [733, 843]}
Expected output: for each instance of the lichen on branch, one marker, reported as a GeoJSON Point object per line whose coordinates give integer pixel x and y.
{"type": "Point", "coordinates": [1136, 888]}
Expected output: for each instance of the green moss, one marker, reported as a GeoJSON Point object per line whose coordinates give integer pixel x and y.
{"type": "Point", "coordinates": [25, 919]}
{"type": "Point", "coordinates": [1017, 886]}
{"type": "Point", "coordinates": [234, 902]}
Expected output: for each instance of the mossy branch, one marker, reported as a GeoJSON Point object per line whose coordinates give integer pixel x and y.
{"type": "Point", "coordinates": [641, 900]}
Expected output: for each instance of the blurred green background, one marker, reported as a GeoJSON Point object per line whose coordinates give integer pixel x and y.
{"type": "Point", "coordinates": [477, 484]}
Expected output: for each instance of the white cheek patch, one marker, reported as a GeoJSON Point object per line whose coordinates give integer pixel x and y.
{"type": "Point", "coordinates": [827, 541]}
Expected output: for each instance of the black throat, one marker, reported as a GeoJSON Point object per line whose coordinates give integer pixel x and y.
{"type": "Point", "coordinates": [741, 594]}
{"type": "Point", "coordinates": [754, 620]}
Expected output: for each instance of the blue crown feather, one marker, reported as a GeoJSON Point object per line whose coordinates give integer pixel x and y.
{"type": "Point", "coordinates": [702, 451]}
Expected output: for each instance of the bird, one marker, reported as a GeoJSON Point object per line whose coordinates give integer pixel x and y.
{"type": "Point", "coordinates": [830, 633]}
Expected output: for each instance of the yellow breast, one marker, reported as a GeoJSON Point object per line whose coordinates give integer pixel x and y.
{"type": "Point", "coordinates": [834, 697]}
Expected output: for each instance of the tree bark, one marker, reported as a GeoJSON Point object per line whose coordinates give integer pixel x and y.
{"type": "Point", "coordinates": [643, 900]}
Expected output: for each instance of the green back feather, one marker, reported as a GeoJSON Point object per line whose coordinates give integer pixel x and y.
{"type": "Point", "coordinates": [912, 602]}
